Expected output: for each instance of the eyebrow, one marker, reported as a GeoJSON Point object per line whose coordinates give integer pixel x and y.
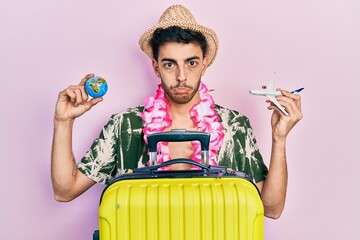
{"type": "Point", "coordinates": [174, 61]}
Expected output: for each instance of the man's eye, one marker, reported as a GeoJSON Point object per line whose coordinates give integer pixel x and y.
{"type": "Point", "coordinates": [192, 63]}
{"type": "Point", "coordinates": [168, 65]}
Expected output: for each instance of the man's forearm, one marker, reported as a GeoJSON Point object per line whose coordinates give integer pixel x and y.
{"type": "Point", "coordinates": [63, 166]}
{"type": "Point", "coordinates": [273, 193]}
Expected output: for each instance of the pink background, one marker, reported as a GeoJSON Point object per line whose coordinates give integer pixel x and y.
{"type": "Point", "coordinates": [48, 45]}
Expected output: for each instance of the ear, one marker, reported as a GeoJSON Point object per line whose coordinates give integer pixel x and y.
{"type": "Point", "coordinates": [155, 66]}
{"type": "Point", "coordinates": [205, 65]}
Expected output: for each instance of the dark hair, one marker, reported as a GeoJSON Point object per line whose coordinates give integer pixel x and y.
{"type": "Point", "coordinates": [176, 34]}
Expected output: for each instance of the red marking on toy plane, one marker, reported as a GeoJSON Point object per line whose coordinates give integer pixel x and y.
{"type": "Point", "coordinates": [263, 87]}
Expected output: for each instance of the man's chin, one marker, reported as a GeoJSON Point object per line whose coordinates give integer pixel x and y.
{"type": "Point", "coordinates": [181, 99]}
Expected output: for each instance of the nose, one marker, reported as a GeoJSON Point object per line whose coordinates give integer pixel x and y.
{"type": "Point", "coordinates": [181, 76]}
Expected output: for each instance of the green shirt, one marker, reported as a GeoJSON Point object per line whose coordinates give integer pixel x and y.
{"type": "Point", "coordinates": [121, 146]}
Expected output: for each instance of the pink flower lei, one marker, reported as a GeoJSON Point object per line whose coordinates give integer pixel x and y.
{"type": "Point", "coordinates": [157, 118]}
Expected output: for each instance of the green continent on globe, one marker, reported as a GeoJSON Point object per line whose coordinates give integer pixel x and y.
{"type": "Point", "coordinates": [95, 85]}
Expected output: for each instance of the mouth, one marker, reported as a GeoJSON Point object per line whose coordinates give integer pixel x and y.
{"type": "Point", "coordinates": [181, 90]}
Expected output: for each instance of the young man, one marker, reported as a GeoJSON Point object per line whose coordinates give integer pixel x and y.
{"type": "Point", "coordinates": [181, 50]}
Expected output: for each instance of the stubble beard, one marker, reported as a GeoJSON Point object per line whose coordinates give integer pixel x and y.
{"type": "Point", "coordinates": [181, 98]}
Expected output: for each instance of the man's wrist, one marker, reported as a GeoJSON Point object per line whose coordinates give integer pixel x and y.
{"type": "Point", "coordinates": [63, 124]}
{"type": "Point", "coordinates": [280, 141]}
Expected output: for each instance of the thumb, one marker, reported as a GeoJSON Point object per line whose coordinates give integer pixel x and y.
{"type": "Point", "coordinates": [92, 102]}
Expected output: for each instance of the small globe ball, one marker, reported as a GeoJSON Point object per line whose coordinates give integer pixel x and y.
{"type": "Point", "coordinates": [96, 86]}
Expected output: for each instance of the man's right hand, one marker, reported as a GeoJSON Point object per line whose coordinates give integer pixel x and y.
{"type": "Point", "coordinates": [74, 101]}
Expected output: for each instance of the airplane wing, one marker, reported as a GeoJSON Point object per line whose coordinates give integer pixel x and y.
{"type": "Point", "coordinates": [270, 85]}
{"type": "Point", "coordinates": [273, 100]}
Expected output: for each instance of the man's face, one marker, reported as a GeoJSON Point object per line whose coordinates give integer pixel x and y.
{"type": "Point", "coordinates": [180, 67]}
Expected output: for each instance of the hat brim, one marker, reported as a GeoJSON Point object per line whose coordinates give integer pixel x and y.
{"type": "Point", "coordinates": [209, 34]}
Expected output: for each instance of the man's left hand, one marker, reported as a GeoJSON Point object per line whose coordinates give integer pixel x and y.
{"type": "Point", "coordinates": [282, 124]}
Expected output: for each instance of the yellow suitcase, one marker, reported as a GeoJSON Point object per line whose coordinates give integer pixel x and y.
{"type": "Point", "coordinates": [210, 203]}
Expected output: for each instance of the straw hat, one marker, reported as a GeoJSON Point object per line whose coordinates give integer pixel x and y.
{"type": "Point", "coordinates": [177, 15]}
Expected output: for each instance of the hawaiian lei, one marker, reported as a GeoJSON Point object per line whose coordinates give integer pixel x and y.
{"type": "Point", "coordinates": [157, 118]}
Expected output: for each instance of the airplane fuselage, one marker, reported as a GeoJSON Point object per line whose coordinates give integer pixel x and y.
{"type": "Point", "coordinates": [265, 92]}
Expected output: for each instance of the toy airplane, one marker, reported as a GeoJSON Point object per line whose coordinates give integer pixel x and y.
{"type": "Point", "coordinates": [270, 94]}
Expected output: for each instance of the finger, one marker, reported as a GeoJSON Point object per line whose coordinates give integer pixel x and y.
{"type": "Point", "coordinates": [84, 95]}
{"type": "Point", "coordinates": [69, 92]}
{"type": "Point", "coordinates": [285, 102]}
{"type": "Point", "coordinates": [288, 105]}
{"type": "Point", "coordinates": [295, 97]}
{"type": "Point", "coordinates": [278, 99]}
{"type": "Point", "coordinates": [63, 95]}
{"type": "Point", "coordinates": [83, 81]}
{"type": "Point", "coordinates": [74, 93]}
{"type": "Point", "coordinates": [276, 109]}
{"type": "Point", "coordinates": [93, 102]}
{"type": "Point", "coordinates": [79, 99]}
{"type": "Point", "coordinates": [291, 107]}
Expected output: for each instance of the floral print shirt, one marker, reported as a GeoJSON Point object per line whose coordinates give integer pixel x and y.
{"type": "Point", "coordinates": [121, 147]}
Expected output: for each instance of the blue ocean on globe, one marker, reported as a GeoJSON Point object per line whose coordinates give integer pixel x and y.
{"type": "Point", "coordinates": [96, 86]}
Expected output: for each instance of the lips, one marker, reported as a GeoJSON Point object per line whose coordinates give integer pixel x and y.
{"type": "Point", "coordinates": [180, 90]}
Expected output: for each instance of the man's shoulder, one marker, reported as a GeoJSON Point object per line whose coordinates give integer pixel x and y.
{"type": "Point", "coordinates": [133, 112]}
{"type": "Point", "coordinates": [130, 117]}
{"type": "Point", "coordinates": [229, 115]}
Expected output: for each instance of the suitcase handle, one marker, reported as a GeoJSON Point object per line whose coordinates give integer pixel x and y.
{"type": "Point", "coordinates": [207, 168]}
{"type": "Point", "coordinates": [179, 135]}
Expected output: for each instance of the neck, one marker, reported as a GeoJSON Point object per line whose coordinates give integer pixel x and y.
{"type": "Point", "coordinates": [181, 111]}
{"type": "Point", "coordinates": [199, 113]}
